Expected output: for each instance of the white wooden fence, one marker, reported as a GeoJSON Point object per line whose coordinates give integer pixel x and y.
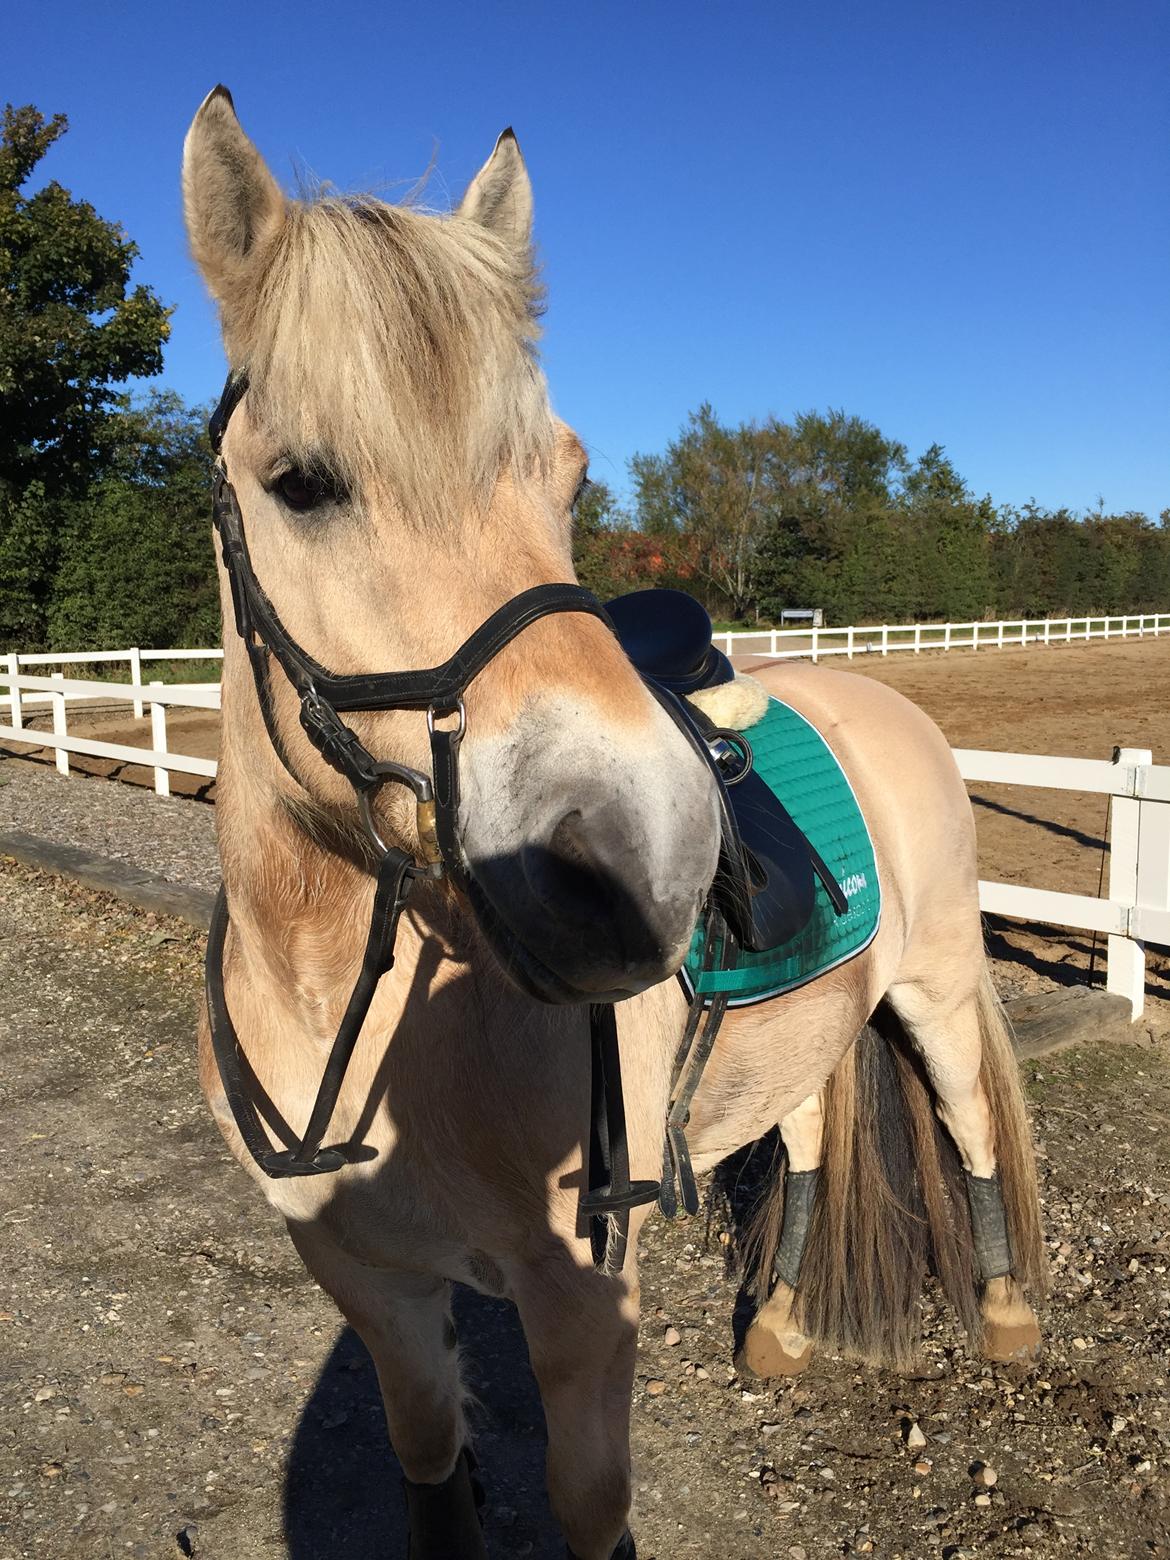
{"type": "Point", "coordinates": [57, 690]}
{"type": "Point", "coordinates": [1135, 912]}
{"type": "Point", "coordinates": [19, 700]}
{"type": "Point", "coordinates": [886, 638]}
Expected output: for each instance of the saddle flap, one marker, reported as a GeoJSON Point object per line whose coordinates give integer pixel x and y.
{"type": "Point", "coordinates": [766, 883]}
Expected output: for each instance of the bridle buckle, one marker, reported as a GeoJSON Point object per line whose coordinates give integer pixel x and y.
{"type": "Point", "coordinates": [440, 711]}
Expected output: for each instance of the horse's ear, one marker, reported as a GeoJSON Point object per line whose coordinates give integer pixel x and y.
{"type": "Point", "coordinates": [499, 198]}
{"type": "Point", "coordinates": [231, 201]}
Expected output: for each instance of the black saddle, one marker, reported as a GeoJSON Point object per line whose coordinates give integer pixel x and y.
{"type": "Point", "coordinates": [667, 635]}
{"type": "Point", "coordinates": [765, 883]}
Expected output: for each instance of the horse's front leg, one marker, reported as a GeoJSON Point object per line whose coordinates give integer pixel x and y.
{"type": "Point", "coordinates": [404, 1320]}
{"type": "Point", "coordinates": [582, 1332]}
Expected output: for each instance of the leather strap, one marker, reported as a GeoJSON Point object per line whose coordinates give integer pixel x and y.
{"type": "Point", "coordinates": [435, 687]}
{"type": "Point", "coordinates": [693, 1055]}
{"type": "Point", "coordinates": [445, 768]}
{"type": "Point", "coordinates": [306, 1156]}
{"type": "Point", "coordinates": [446, 1520]}
{"type": "Point", "coordinates": [611, 1194]}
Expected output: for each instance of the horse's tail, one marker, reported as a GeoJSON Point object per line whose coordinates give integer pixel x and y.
{"type": "Point", "coordinates": [892, 1201]}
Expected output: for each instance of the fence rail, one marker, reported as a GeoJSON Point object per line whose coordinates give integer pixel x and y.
{"type": "Point", "coordinates": [58, 689]}
{"type": "Point", "coordinates": [1135, 912]}
{"type": "Point", "coordinates": [889, 638]}
{"type": "Point", "coordinates": [1137, 908]}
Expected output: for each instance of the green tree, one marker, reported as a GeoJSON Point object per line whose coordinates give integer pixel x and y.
{"type": "Point", "coordinates": [72, 330]}
{"type": "Point", "coordinates": [947, 538]}
{"type": "Point", "coordinates": [136, 564]}
{"type": "Point", "coordinates": [713, 487]}
{"type": "Point", "coordinates": [845, 457]}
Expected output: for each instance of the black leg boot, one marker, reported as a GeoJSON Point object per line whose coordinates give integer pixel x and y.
{"type": "Point", "coordinates": [444, 1518]}
{"type": "Point", "coordinates": [624, 1551]}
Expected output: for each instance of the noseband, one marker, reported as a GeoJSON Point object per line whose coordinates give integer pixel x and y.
{"type": "Point", "coordinates": [324, 697]}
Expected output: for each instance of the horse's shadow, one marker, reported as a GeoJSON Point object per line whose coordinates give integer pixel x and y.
{"type": "Point", "coordinates": [343, 1487]}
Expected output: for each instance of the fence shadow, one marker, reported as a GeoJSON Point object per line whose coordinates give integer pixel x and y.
{"type": "Point", "coordinates": [1064, 830]}
{"type": "Point", "coordinates": [1027, 944]}
{"type": "Point", "coordinates": [343, 1485]}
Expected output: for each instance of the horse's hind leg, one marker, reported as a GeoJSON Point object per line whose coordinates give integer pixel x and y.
{"type": "Point", "coordinates": [582, 1332]}
{"type": "Point", "coordinates": [404, 1320]}
{"type": "Point", "coordinates": [774, 1344]}
{"type": "Point", "coordinates": [967, 1053]}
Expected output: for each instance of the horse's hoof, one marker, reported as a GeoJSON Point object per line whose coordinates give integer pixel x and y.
{"type": "Point", "coordinates": [1005, 1341]}
{"type": "Point", "coordinates": [765, 1355]}
{"type": "Point", "coordinates": [1010, 1329]}
{"type": "Point", "coordinates": [445, 1518]}
{"type": "Point", "coordinates": [624, 1551]}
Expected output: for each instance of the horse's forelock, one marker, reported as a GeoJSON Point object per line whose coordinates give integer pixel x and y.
{"type": "Point", "coordinates": [400, 348]}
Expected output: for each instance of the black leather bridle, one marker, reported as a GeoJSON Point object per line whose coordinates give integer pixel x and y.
{"type": "Point", "coordinates": [324, 697]}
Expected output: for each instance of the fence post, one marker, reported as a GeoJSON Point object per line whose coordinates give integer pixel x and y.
{"type": "Point", "coordinates": [885, 639]}
{"type": "Point", "coordinates": [974, 636]}
{"type": "Point", "coordinates": [1153, 867]}
{"type": "Point", "coordinates": [814, 645]}
{"type": "Point", "coordinates": [60, 728]}
{"type": "Point", "coordinates": [136, 678]}
{"type": "Point", "coordinates": [158, 741]}
{"type": "Point", "coordinates": [999, 636]}
{"type": "Point", "coordinates": [1126, 961]}
{"type": "Point", "coordinates": [1047, 630]}
{"type": "Point", "coordinates": [15, 702]}
{"type": "Point", "coordinates": [918, 639]}
{"type": "Point", "coordinates": [774, 645]}
{"type": "Point", "coordinates": [849, 643]}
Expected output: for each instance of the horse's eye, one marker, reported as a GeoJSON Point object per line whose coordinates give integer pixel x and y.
{"type": "Point", "coordinates": [303, 490]}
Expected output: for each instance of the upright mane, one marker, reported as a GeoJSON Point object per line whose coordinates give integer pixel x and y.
{"type": "Point", "coordinates": [387, 344]}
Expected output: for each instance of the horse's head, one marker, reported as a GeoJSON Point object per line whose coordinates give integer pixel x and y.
{"type": "Point", "coordinates": [401, 475]}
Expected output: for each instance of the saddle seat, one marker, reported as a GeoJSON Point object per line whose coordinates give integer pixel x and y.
{"type": "Point", "coordinates": [667, 635]}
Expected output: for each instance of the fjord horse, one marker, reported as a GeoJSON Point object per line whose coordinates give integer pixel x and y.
{"type": "Point", "coordinates": [401, 475]}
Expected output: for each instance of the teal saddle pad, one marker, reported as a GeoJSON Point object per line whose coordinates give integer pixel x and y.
{"type": "Point", "coordinates": [799, 767]}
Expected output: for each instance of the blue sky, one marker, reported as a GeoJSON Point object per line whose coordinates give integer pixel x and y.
{"type": "Point", "coordinates": [951, 219]}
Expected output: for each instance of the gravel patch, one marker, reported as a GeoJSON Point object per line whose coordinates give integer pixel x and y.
{"type": "Point", "coordinates": [172, 836]}
{"type": "Point", "coordinates": [171, 1383]}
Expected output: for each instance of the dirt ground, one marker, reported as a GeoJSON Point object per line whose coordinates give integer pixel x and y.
{"type": "Point", "coordinates": [172, 1383]}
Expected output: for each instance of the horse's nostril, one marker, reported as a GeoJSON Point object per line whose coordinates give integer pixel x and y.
{"type": "Point", "coordinates": [568, 875]}
{"type": "Point", "coordinates": [568, 842]}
